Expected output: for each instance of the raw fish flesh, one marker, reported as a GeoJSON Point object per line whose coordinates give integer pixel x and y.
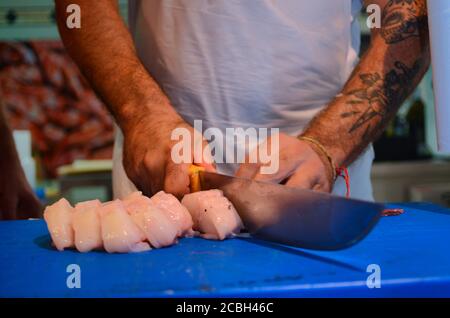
{"type": "Point", "coordinates": [177, 212]}
{"type": "Point", "coordinates": [86, 225]}
{"type": "Point", "coordinates": [119, 233]}
{"type": "Point", "coordinates": [59, 222]}
{"type": "Point", "coordinates": [159, 229]}
{"type": "Point", "coordinates": [126, 226]}
{"type": "Point", "coordinates": [213, 214]}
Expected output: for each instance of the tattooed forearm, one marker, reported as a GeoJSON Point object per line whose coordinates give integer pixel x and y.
{"type": "Point", "coordinates": [388, 72]}
{"type": "Point", "coordinates": [381, 94]}
{"type": "Point", "coordinates": [403, 19]}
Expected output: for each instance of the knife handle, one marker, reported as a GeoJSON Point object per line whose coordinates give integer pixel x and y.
{"type": "Point", "coordinates": [194, 178]}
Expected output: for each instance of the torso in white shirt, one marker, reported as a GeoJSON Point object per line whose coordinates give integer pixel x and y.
{"type": "Point", "coordinates": [250, 63]}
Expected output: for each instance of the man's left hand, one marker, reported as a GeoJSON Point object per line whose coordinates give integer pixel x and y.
{"type": "Point", "coordinates": [301, 165]}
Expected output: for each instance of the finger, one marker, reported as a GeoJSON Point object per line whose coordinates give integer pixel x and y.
{"type": "Point", "coordinates": [321, 187]}
{"type": "Point", "coordinates": [152, 174]}
{"type": "Point", "coordinates": [208, 167]}
{"type": "Point", "coordinates": [177, 179]}
{"type": "Point", "coordinates": [205, 159]}
{"type": "Point", "coordinates": [133, 172]}
{"type": "Point", "coordinates": [277, 171]}
{"type": "Point", "coordinates": [263, 170]}
{"type": "Point", "coordinates": [137, 177]}
{"type": "Point", "coordinates": [303, 179]}
{"type": "Point", "coordinates": [308, 179]}
{"type": "Point", "coordinates": [285, 171]}
{"type": "Point", "coordinates": [248, 170]}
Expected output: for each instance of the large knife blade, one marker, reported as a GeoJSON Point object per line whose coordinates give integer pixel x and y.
{"type": "Point", "coordinates": [296, 217]}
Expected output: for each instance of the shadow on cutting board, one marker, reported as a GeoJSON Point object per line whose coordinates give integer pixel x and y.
{"type": "Point", "coordinates": [44, 241]}
{"type": "Point", "coordinates": [302, 253]}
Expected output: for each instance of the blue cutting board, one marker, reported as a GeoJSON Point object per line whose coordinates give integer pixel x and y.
{"type": "Point", "coordinates": [412, 250]}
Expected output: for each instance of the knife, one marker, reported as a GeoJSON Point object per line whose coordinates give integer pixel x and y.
{"type": "Point", "coordinates": [296, 217]}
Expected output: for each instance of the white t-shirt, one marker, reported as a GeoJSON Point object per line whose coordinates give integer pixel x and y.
{"type": "Point", "coordinates": [249, 63]}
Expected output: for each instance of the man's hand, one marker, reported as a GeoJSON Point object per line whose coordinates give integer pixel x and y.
{"type": "Point", "coordinates": [147, 156]}
{"type": "Point", "coordinates": [301, 165]}
{"type": "Point", "coordinates": [104, 51]}
{"type": "Point", "coordinates": [17, 200]}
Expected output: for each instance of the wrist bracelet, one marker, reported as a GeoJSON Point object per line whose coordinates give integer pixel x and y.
{"type": "Point", "coordinates": [324, 151]}
{"type": "Point", "coordinates": [337, 172]}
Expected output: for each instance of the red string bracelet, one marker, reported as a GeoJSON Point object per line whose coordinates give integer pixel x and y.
{"type": "Point", "coordinates": [343, 172]}
{"type": "Point", "coordinates": [337, 172]}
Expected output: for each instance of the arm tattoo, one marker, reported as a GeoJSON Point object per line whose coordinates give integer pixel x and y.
{"type": "Point", "coordinates": [403, 19]}
{"type": "Point", "coordinates": [381, 94]}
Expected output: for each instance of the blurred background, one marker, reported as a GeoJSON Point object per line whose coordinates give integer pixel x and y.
{"type": "Point", "coordinates": [65, 135]}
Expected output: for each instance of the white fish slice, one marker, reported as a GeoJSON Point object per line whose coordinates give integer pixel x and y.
{"type": "Point", "coordinates": [119, 233]}
{"type": "Point", "coordinates": [87, 227]}
{"type": "Point", "coordinates": [58, 217]}
{"type": "Point", "coordinates": [177, 212]}
{"type": "Point", "coordinates": [213, 214]}
{"type": "Point", "coordinates": [157, 226]}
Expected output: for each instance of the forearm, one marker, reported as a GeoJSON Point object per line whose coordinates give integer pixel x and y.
{"type": "Point", "coordinates": [386, 75]}
{"type": "Point", "coordinates": [105, 53]}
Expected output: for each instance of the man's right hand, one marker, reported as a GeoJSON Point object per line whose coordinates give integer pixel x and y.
{"type": "Point", "coordinates": [147, 156]}
{"type": "Point", "coordinates": [105, 52]}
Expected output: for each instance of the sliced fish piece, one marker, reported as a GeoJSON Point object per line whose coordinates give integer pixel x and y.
{"type": "Point", "coordinates": [58, 217]}
{"type": "Point", "coordinates": [157, 226]}
{"type": "Point", "coordinates": [213, 214]}
{"type": "Point", "coordinates": [119, 233]}
{"type": "Point", "coordinates": [177, 212]}
{"type": "Point", "coordinates": [87, 227]}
